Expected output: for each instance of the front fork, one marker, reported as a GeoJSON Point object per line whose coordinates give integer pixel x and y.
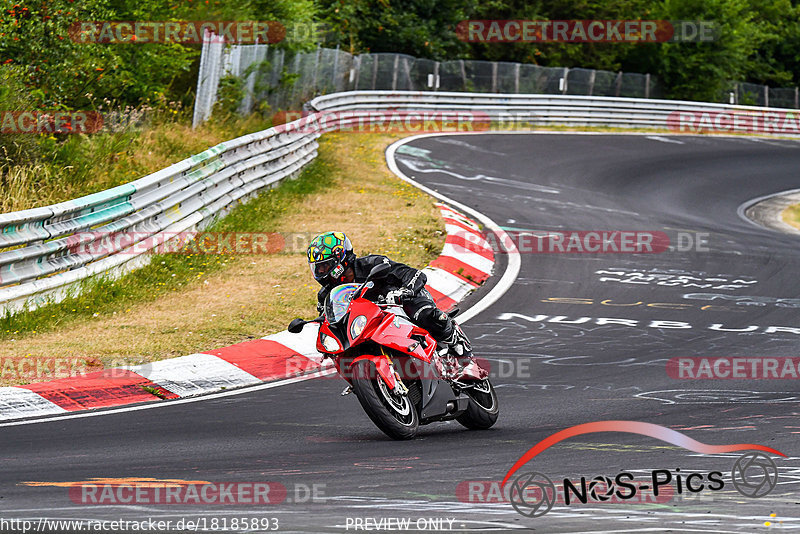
{"type": "Point", "coordinates": [386, 371]}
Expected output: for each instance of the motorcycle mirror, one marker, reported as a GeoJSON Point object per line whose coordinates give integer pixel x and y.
{"type": "Point", "coordinates": [296, 326]}
{"type": "Point", "coordinates": [379, 271]}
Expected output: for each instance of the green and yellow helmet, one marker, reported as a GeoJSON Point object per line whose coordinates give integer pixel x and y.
{"type": "Point", "coordinates": [329, 255]}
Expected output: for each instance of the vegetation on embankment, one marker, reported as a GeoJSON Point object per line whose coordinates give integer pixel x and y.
{"type": "Point", "coordinates": [186, 303]}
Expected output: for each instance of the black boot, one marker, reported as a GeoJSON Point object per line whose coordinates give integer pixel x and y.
{"type": "Point", "coordinates": [457, 347]}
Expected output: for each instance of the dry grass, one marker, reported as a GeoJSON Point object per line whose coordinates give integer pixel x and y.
{"type": "Point", "coordinates": [791, 215]}
{"type": "Point", "coordinates": [253, 296]}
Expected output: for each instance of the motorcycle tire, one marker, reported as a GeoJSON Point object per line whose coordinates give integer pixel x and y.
{"type": "Point", "coordinates": [394, 414]}
{"type": "Point", "coordinates": [482, 410]}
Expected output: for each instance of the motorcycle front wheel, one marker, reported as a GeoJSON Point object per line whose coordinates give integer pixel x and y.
{"type": "Point", "coordinates": [482, 410]}
{"type": "Point", "coordinates": [394, 414]}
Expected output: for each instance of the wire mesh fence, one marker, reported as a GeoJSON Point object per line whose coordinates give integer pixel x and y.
{"type": "Point", "coordinates": [277, 79]}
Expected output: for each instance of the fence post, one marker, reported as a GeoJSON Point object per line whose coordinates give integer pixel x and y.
{"type": "Point", "coordinates": [250, 56]}
{"type": "Point", "coordinates": [463, 73]}
{"type": "Point", "coordinates": [374, 70]}
{"type": "Point", "coordinates": [296, 69]}
{"type": "Point", "coordinates": [566, 82]}
{"type": "Point", "coordinates": [436, 76]}
{"type": "Point", "coordinates": [796, 99]}
{"type": "Point", "coordinates": [408, 74]}
{"type": "Point", "coordinates": [356, 71]}
{"type": "Point", "coordinates": [278, 75]}
{"type": "Point", "coordinates": [494, 76]}
{"type": "Point", "coordinates": [766, 96]}
{"type": "Point", "coordinates": [647, 85]}
{"type": "Point", "coordinates": [316, 67]}
{"type": "Point", "coordinates": [619, 83]}
{"type": "Point", "coordinates": [200, 96]}
{"type": "Point", "coordinates": [335, 68]}
{"type": "Point", "coordinates": [591, 82]}
{"type": "Point", "coordinates": [208, 78]}
{"type": "Point", "coordinates": [394, 72]}
{"type": "Point", "coordinates": [516, 78]}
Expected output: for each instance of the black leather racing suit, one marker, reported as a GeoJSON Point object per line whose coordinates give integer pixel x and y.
{"type": "Point", "coordinates": [420, 307]}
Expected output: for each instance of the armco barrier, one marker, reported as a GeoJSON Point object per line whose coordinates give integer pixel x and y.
{"type": "Point", "coordinates": [38, 253]}
{"type": "Point", "coordinates": [565, 110]}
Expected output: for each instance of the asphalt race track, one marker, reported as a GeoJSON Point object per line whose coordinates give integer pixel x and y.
{"type": "Point", "coordinates": [557, 359]}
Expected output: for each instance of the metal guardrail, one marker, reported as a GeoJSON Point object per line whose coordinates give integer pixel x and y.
{"type": "Point", "coordinates": [569, 110]}
{"type": "Point", "coordinates": [40, 254]}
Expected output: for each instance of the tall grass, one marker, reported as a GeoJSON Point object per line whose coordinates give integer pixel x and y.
{"type": "Point", "coordinates": [82, 164]}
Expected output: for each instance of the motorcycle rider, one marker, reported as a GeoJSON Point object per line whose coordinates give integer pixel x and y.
{"type": "Point", "coordinates": [333, 262]}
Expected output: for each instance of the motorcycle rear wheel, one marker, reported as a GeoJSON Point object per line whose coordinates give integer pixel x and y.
{"type": "Point", "coordinates": [394, 414]}
{"type": "Point", "coordinates": [482, 410]}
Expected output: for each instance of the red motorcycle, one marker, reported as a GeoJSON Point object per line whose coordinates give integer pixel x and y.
{"type": "Point", "coordinates": [393, 366]}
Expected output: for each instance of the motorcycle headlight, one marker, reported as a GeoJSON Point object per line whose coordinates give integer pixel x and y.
{"type": "Point", "coordinates": [330, 343]}
{"type": "Point", "coordinates": [357, 326]}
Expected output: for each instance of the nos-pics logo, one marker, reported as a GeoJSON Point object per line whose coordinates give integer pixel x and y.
{"type": "Point", "coordinates": [533, 494]}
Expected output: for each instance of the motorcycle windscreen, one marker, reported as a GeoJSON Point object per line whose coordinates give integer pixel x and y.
{"type": "Point", "coordinates": [338, 301]}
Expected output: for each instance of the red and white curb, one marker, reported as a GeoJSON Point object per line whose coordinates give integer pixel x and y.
{"type": "Point", "coordinates": [466, 261]}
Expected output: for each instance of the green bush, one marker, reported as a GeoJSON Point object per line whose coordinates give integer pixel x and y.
{"type": "Point", "coordinates": [17, 148]}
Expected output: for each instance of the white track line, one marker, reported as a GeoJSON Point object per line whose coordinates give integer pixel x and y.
{"type": "Point", "coordinates": [514, 261]}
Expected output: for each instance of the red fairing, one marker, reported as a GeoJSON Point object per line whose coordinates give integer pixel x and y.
{"type": "Point", "coordinates": [383, 328]}
{"type": "Point", "coordinates": [368, 309]}
{"type": "Point", "coordinates": [325, 328]}
{"type": "Point", "coordinates": [396, 331]}
{"type": "Point", "coordinates": [360, 306]}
